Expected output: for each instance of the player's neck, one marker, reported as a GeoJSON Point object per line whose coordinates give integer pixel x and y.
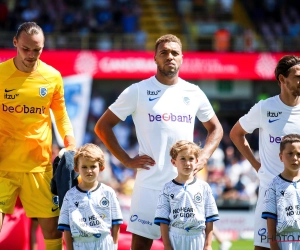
{"type": "Point", "coordinates": [289, 100]}
{"type": "Point", "coordinates": [184, 179]}
{"type": "Point", "coordinates": [166, 80]}
{"type": "Point", "coordinates": [291, 175]}
{"type": "Point", "coordinates": [88, 186]}
{"type": "Point", "coordinates": [21, 67]}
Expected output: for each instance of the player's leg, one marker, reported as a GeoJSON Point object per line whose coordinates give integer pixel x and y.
{"type": "Point", "coordinates": [261, 241]}
{"type": "Point", "coordinates": [142, 213]}
{"type": "Point", "coordinates": [1, 220]}
{"type": "Point", "coordinates": [33, 228]}
{"type": "Point", "coordinates": [139, 242]}
{"type": "Point", "coordinates": [52, 237]}
{"type": "Point", "coordinates": [39, 202]}
{"type": "Point", "coordinates": [224, 244]}
{"type": "Point", "coordinates": [49, 228]}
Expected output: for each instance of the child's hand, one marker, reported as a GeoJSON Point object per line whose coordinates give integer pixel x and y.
{"type": "Point", "coordinates": [274, 246]}
{"type": "Point", "coordinates": [207, 248]}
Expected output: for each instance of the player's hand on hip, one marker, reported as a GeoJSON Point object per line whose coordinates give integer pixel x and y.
{"type": "Point", "coordinates": [200, 165]}
{"type": "Point", "coordinates": [140, 161]}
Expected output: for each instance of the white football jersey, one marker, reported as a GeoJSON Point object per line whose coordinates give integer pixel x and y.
{"type": "Point", "coordinates": [162, 116]}
{"type": "Point", "coordinates": [282, 203]}
{"type": "Point", "coordinates": [186, 207]}
{"type": "Point", "coordinates": [274, 120]}
{"type": "Point", "coordinates": [88, 214]}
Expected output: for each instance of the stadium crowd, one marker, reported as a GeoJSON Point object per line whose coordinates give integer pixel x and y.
{"type": "Point", "coordinates": [274, 25]}
{"type": "Point", "coordinates": [102, 16]}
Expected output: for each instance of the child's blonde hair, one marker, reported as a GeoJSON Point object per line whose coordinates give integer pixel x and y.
{"type": "Point", "coordinates": [90, 151]}
{"type": "Point", "coordinates": [185, 145]}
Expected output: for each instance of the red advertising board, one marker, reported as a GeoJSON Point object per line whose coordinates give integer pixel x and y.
{"type": "Point", "coordinates": [139, 65]}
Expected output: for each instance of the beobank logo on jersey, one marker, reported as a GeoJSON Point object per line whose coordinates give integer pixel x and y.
{"type": "Point", "coordinates": [170, 117]}
{"type": "Point", "coordinates": [24, 109]}
{"type": "Point", "coordinates": [275, 139]}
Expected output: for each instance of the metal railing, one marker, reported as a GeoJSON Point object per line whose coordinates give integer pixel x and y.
{"type": "Point", "coordinates": [107, 42]}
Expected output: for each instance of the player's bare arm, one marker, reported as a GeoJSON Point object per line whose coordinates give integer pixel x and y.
{"type": "Point", "coordinates": [271, 223]}
{"type": "Point", "coordinates": [68, 240]}
{"type": "Point", "coordinates": [237, 135]}
{"type": "Point", "coordinates": [104, 130]}
{"type": "Point", "coordinates": [164, 228]}
{"type": "Point", "coordinates": [208, 236]}
{"type": "Point", "coordinates": [115, 232]}
{"type": "Point", "coordinates": [214, 136]}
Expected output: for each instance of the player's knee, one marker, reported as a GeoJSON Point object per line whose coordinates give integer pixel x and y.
{"type": "Point", "coordinates": [49, 228]}
{"type": "Point", "coordinates": [52, 233]}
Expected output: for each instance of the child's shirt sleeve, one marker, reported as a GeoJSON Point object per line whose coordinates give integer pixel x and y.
{"type": "Point", "coordinates": [163, 209]}
{"type": "Point", "coordinates": [211, 210]}
{"type": "Point", "coordinates": [63, 220]}
{"type": "Point", "coordinates": [269, 205]}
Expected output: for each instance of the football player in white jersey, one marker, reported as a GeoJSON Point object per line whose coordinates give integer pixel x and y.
{"type": "Point", "coordinates": [186, 208]}
{"type": "Point", "coordinates": [275, 117]}
{"type": "Point", "coordinates": [282, 199]}
{"type": "Point", "coordinates": [163, 108]}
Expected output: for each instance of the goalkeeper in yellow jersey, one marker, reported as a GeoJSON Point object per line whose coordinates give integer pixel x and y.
{"type": "Point", "coordinates": [29, 89]}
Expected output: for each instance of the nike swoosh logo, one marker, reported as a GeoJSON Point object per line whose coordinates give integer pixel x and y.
{"type": "Point", "coordinates": [270, 121]}
{"type": "Point", "coordinates": [152, 99]}
{"type": "Point", "coordinates": [8, 90]}
{"type": "Point", "coordinates": [54, 209]}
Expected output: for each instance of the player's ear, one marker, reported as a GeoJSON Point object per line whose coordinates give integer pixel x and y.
{"type": "Point", "coordinates": [15, 41]}
{"type": "Point", "coordinates": [280, 157]}
{"type": "Point", "coordinates": [281, 78]}
{"type": "Point", "coordinates": [76, 169]}
{"type": "Point", "coordinates": [173, 161]}
{"type": "Point", "coordinates": [102, 168]}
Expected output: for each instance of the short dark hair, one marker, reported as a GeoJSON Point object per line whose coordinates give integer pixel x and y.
{"type": "Point", "coordinates": [30, 28]}
{"type": "Point", "coordinates": [290, 138]}
{"type": "Point", "coordinates": [167, 39]}
{"type": "Point", "coordinates": [285, 64]}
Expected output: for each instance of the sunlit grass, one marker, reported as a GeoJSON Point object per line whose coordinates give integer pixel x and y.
{"type": "Point", "coordinates": [237, 245]}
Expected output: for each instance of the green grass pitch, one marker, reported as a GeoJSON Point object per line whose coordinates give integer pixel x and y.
{"type": "Point", "coordinates": [237, 245]}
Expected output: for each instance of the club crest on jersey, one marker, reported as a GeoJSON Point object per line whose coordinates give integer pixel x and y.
{"type": "Point", "coordinates": [186, 100]}
{"type": "Point", "coordinates": [55, 200]}
{"type": "Point", "coordinates": [43, 91]}
{"type": "Point", "coordinates": [104, 202]}
{"type": "Point", "coordinates": [198, 198]}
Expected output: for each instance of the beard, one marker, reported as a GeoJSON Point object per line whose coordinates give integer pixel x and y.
{"type": "Point", "coordinates": [294, 90]}
{"type": "Point", "coordinates": [170, 73]}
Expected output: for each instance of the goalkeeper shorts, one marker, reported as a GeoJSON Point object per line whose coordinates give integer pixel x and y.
{"type": "Point", "coordinates": [33, 190]}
